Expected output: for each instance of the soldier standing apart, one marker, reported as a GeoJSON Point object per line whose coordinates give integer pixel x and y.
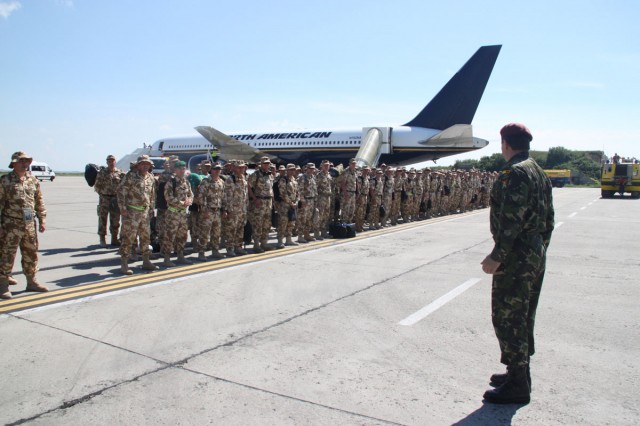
{"type": "Point", "coordinates": [324, 182]}
{"type": "Point", "coordinates": [362, 198]}
{"type": "Point", "coordinates": [287, 206]}
{"type": "Point", "coordinates": [261, 195]}
{"type": "Point", "coordinates": [209, 197]}
{"type": "Point", "coordinates": [348, 189]}
{"type": "Point", "coordinates": [308, 192]}
{"type": "Point", "coordinates": [522, 220]}
{"type": "Point", "coordinates": [179, 197]}
{"type": "Point", "coordinates": [235, 213]}
{"type": "Point", "coordinates": [20, 203]}
{"type": "Point", "coordinates": [136, 198]}
{"type": "Point", "coordinates": [106, 186]}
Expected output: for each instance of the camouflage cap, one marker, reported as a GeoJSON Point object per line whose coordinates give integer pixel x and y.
{"type": "Point", "coordinates": [282, 168]}
{"type": "Point", "coordinates": [17, 156]}
{"type": "Point", "coordinates": [144, 159]}
{"type": "Point", "coordinates": [216, 166]}
{"type": "Point", "coordinates": [311, 166]}
{"type": "Point", "coordinates": [265, 160]}
{"type": "Point", "coordinates": [111, 157]}
{"type": "Point", "coordinates": [240, 163]}
{"type": "Point", "coordinates": [291, 166]}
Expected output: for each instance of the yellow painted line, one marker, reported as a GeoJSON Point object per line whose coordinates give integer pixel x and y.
{"type": "Point", "coordinates": [41, 299]}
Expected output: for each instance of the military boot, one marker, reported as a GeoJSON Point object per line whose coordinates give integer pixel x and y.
{"type": "Point", "coordinates": [34, 285]}
{"type": "Point", "coordinates": [280, 244]}
{"type": "Point", "coordinates": [202, 257]}
{"type": "Point", "coordinates": [4, 288]}
{"type": "Point", "coordinates": [146, 263]}
{"type": "Point", "coordinates": [103, 241]}
{"type": "Point", "coordinates": [115, 242]}
{"type": "Point", "coordinates": [167, 261]}
{"type": "Point", "coordinates": [10, 280]}
{"type": "Point", "coordinates": [240, 251]}
{"type": "Point", "coordinates": [264, 246]}
{"type": "Point", "coordinates": [231, 253]}
{"type": "Point", "coordinates": [515, 389]}
{"type": "Point", "coordinates": [499, 378]}
{"type": "Point", "coordinates": [124, 266]}
{"type": "Point", "coordinates": [318, 236]}
{"type": "Point", "coordinates": [301, 239]}
{"type": "Point", "coordinates": [215, 254]}
{"type": "Point", "coordinates": [183, 260]}
{"type": "Point", "coordinates": [308, 237]}
{"type": "Point", "coordinates": [256, 247]}
{"type": "Point", "coordinates": [290, 242]}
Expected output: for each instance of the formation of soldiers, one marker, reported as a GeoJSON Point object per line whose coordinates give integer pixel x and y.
{"type": "Point", "coordinates": [224, 207]}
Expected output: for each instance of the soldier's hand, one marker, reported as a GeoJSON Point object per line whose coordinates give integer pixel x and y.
{"type": "Point", "coordinates": [188, 202]}
{"type": "Point", "coordinates": [490, 266]}
{"type": "Point", "coordinates": [42, 227]}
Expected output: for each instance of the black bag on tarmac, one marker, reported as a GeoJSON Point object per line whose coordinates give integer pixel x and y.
{"type": "Point", "coordinates": [342, 230]}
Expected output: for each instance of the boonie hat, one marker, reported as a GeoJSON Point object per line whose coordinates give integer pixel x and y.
{"type": "Point", "coordinates": [144, 159]}
{"type": "Point", "coordinates": [17, 156]}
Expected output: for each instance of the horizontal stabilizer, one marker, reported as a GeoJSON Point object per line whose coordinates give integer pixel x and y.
{"type": "Point", "coordinates": [231, 149]}
{"type": "Point", "coordinates": [459, 135]}
{"type": "Point", "coordinates": [458, 100]}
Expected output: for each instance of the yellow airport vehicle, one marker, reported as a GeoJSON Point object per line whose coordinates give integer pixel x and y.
{"type": "Point", "coordinates": [620, 178]}
{"type": "Point", "coordinates": [559, 178]}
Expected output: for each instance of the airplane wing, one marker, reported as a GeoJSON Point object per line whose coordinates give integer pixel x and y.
{"type": "Point", "coordinates": [229, 148]}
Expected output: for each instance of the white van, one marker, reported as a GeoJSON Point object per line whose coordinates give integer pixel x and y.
{"type": "Point", "coordinates": [42, 171]}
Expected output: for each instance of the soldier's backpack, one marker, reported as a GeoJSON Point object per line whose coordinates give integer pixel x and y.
{"type": "Point", "coordinates": [91, 173]}
{"type": "Point", "coordinates": [342, 230]}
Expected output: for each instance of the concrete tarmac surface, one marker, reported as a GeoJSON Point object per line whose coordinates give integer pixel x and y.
{"type": "Point", "coordinates": [392, 327]}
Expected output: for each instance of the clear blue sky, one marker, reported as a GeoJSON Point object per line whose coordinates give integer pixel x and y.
{"type": "Point", "coordinates": [85, 78]}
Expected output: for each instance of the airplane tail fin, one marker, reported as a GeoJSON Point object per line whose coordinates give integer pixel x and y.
{"type": "Point", "coordinates": [458, 100]}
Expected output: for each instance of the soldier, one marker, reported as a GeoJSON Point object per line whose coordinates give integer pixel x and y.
{"type": "Point", "coordinates": [287, 206]}
{"type": "Point", "coordinates": [261, 195]}
{"type": "Point", "coordinates": [362, 198]}
{"type": "Point", "coordinates": [398, 184]}
{"type": "Point", "coordinates": [20, 203]}
{"type": "Point", "coordinates": [324, 183]}
{"type": "Point", "coordinates": [136, 198]}
{"type": "Point", "coordinates": [308, 193]}
{"type": "Point", "coordinates": [348, 189]}
{"type": "Point", "coordinates": [419, 205]}
{"type": "Point", "coordinates": [179, 197]}
{"type": "Point", "coordinates": [408, 195]}
{"type": "Point", "coordinates": [161, 203]}
{"type": "Point", "coordinates": [235, 209]}
{"type": "Point", "coordinates": [209, 197]}
{"type": "Point", "coordinates": [522, 220]}
{"type": "Point", "coordinates": [106, 186]}
{"type": "Point", "coordinates": [388, 194]}
{"type": "Point", "coordinates": [376, 191]}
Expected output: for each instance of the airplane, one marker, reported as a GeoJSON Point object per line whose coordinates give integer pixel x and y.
{"type": "Point", "coordinates": [441, 129]}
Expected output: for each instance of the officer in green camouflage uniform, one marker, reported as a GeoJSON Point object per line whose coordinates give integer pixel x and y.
{"type": "Point", "coordinates": [106, 186]}
{"type": "Point", "coordinates": [136, 198]}
{"type": "Point", "coordinates": [522, 220]}
{"type": "Point", "coordinates": [20, 203]}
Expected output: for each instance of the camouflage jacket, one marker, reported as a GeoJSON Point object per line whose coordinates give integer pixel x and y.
{"type": "Point", "coordinates": [107, 181]}
{"type": "Point", "coordinates": [177, 191]}
{"type": "Point", "coordinates": [349, 181]}
{"type": "Point", "coordinates": [288, 190]}
{"type": "Point", "coordinates": [363, 186]}
{"type": "Point", "coordinates": [17, 194]}
{"type": "Point", "coordinates": [261, 184]}
{"type": "Point", "coordinates": [235, 194]}
{"type": "Point", "coordinates": [137, 190]}
{"type": "Point", "coordinates": [307, 186]}
{"type": "Point", "coordinates": [521, 207]}
{"type": "Point", "coordinates": [323, 183]}
{"type": "Point", "coordinates": [376, 186]}
{"type": "Point", "coordinates": [210, 194]}
{"type": "Point", "coordinates": [389, 185]}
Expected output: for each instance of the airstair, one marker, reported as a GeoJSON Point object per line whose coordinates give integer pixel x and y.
{"type": "Point", "coordinates": [375, 142]}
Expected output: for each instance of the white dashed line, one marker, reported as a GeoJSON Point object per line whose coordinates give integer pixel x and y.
{"type": "Point", "coordinates": [582, 208]}
{"type": "Point", "coordinates": [572, 214]}
{"type": "Point", "coordinates": [558, 225]}
{"type": "Point", "coordinates": [439, 302]}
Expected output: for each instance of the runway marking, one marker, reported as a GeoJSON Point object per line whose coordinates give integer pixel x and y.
{"type": "Point", "coordinates": [572, 215]}
{"type": "Point", "coordinates": [87, 291]}
{"type": "Point", "coordinates": [558, 225]}
{"type": "Point", "coordinates": [439, 302]}
{"type": "Point", "coordinates": [582, 208]}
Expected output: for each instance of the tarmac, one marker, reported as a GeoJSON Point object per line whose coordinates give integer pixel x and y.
{"type": "Point", "coordinates": [392, 327]}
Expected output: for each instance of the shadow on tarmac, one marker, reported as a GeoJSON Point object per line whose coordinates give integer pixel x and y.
{"type": "Point", "coordinates": [491, 415]}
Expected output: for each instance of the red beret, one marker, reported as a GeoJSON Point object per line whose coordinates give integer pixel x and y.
{"type": "Point", "coordinates": [515, 129]}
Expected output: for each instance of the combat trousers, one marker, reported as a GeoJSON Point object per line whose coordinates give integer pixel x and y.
{"type": "Point", "coordinates": [374, 211]}
{"type": "Point", "coordinates": [261, 223]}
{"type": "Point", "coordinates": [285, 226]}
{"type": "Point", "coordinates": [160, 215]}
{"type": "Point", "coordinates": [135, 225]}
{"type": "Point", "coordinates": [305, 216]}
{"type": "Point", "coordinates": [387, 202]}
{"type": "Point", "coordinates": [323, 204]}
{"type": "Point", "coordinates": [361, 211]}
{"type": "Point", "coordinates": [407, 208]}
{"type": "Point", "coordinates": [19, 234]}
{"type": "Point", "coordinates": [515, 294]}
{"type": "Point", "coordinates": [209, 225]}
{"type": "Point", "coordinates": [176, 231]}
{"type": "Point", "coordinates": [234, 230]}
{"type": "Point", "coordinates": [395, 208]}
{"type": "Point", "coordinates": [348, 206]}
{"type": "Point", "coordinates": [105, 212]}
